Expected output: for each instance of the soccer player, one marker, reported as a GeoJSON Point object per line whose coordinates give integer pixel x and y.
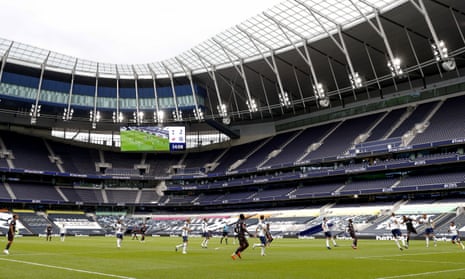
{"type": "Point", "coordinates": [185, 236]}
{"type": "Point", "coordinates": [142, 230]}
{"type": "Point", "coordinates": [48, 232]}
{"type": "Point", "coordinates": [455, 235]}
{"type": "Point", "coordinates": [429, 229]}
{"type": "Point", "coordinates": [205, 233]}
{"type": "Point", "coordinates": [225, 234]}
{"type": "Point", "coordinates": [351, 230]}
{"type": "Point", "coordinates": [62, 232]}
{"type": "Point", "coordinates": [394, 225]}
{"type": "Point", "coordinates": [261, 233]}
{"type": "Point", "coordinates": [410, 228]}
{"type": "Point", "coordinates": [134, 233]}
{"type": "Point", "coordinates": [269, 236]}
{"type": "Point", "coordinates": [241, 230]}
{"type": "Point", "coordinates": [11, 234]}
{"type": "Point", "coordinates": [119, 233]}
{"type": "Point", "coordinates": [327, 232]}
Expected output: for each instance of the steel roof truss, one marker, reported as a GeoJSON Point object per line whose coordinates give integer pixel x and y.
{"type": "Point", "coordinates": [67, 114]}
{"type": "Point", "coordinates": [354, 77]}
{"type": "Point", "coordinates": [305, 57]}
{"type": "Point", "coordinates": [35, 109]}
{"type": "Point", "coordinates": [283, 96]}
{"type": "Point", "coordinates": [211, 72]}
{"type": "Point", "coordinates": [177, 116]}
{"type": "Point", "coordinates": [138, 116]}
{"type": "Point", "coordinates": [422, 9]}
{"type": "Point", "coordinates": [379, 28]}
{"type": "Point", "coordinates": [197, 112]}
{"type": "Point", "coordinates": [158, 117]}
{"type": "Point", "coordinates": [250, 102]}
{"type": "Point", "coordinates": [4, 58]}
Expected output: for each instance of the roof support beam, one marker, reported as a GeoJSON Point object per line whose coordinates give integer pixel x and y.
{"type": "Point", "coordinates": [422, 9]}
{"type": "Point", "coordinates": [35, 108]}
{"type": "Point", "coordinates": [94, 115]}
{"type": "Point", "coordinates": [68, 113]}
{"type": "Point", "coordinates": [197, 111]}
{"type": "Point", "coordinates": [394, 62]}
{"type": "Point", "coordinates": [373, 69]}
{"type": "Point", "coordinates": [4, 57]}
{"type": "Point", "coordinates": [158, 115]}
{"type": "Point", "coordinates": [414, 53]}
{"type": "Point", "coordinates": [139, 117]}
{"type": "Point", "coordinates": [298, 85]}
{"type": "Point", "coordinates": [118, 115]}
{"type": "Point", "coordinates": [317, 87]}
{"type": "Point", "coordinates": [251, 104]}
{"type": "Point", "coordinates": [262, 82]}
{"type": "Point", "coordinates": [234, 92]}
{"type": "Point", "coordinates": [177, 112]}
{"type": "Point", "coordinates": [283, 96]}
{"type": "Point", "coordinates": [212, 73]}
{"type": "Point", "coordinates": [353, 76]}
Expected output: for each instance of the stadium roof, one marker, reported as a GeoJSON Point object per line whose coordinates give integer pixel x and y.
{"type": "Point", "coordinates": [270, 65]}
{"type": "Point", "coordinates": [246, 41]}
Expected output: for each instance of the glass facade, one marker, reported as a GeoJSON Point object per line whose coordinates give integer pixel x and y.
{"type": "Point", "coordinates": [57, 92]}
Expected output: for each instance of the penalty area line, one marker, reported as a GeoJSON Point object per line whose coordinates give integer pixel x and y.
{"type": "Point", "coordinates": [67, 268]}
{"type": "Point", "coordinates": [423, 273]}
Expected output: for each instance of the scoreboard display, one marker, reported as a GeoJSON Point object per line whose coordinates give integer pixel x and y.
{"type": "Point", "coordinates": [177, 139]}
{"type": "Point", "coordinates": [153, 138]}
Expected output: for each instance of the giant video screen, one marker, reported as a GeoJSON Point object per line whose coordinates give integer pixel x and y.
{"type": "Point", "coordinates": [152, 138]}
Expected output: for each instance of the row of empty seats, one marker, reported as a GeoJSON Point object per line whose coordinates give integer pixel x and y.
{"type": "Point", "coordinates": [329, 140]}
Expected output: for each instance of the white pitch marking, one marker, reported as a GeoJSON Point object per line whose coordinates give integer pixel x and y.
{"type": "Point", "coordinates": [424, 273]}
{"type": "Point", "coordinates": [413, 261]}
{"type": "Point", "coordinates": [403, 255]}
{"type": "Point", "coordinates": [67, 268]}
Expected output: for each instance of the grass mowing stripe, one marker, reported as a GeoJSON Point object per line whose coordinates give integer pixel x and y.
{"type": "Point", "coordinates": [286, 258]}
{"type": "Point", "coordinates": [67, 268]}
{"type": "Point", "coordinates": [423, 273]}
{"type": "Point", "coordinates": [405, 255]}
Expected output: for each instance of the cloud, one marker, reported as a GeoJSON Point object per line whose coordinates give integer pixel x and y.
{"type": "Point", "coordinates": [122, 32]}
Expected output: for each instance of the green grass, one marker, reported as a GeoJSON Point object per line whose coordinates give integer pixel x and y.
{"type": "Point", "coordinates": [140, 141]}
{"type": "Point", "coordinates": [98, 257]}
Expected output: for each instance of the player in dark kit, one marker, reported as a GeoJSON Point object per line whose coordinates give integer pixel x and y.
{"type": "Point", "coordinates": [142, 230]}
{"type": "Point", "coordinates": [410, 228]}
{"type": "Point", "coordinates": [351, 231]}
{"type": "Point", "coordinates": [225, 234]}
{"type": "Point", "coordinates": [269, 236]}
{"type": "Point", "coordinates": [11, 234]}
{"type": "Point", "coordinates": [48, 232]}
{"type": "Point", "coordinates": [241, 230]}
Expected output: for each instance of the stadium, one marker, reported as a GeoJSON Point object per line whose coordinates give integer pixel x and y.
{"type": "Point", "coordinates": [308, 110]}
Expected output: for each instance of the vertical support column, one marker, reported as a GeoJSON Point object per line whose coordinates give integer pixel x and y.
{"type": "Point", "coordinates": [178, 113]}
{"type": "Point", "coordinates": [198, 114]}
{"type": "Point", "coordinates": [35, 108]}
{"type": "Point", "coordinates": [94, 114]}
{"type": "Point", "coordinates": [68, 112]}
{"type": "Point", "coordinates": [4, 58]}
{"type": "Point", "coordinates": [119, 114]}
{"type": "Point", "coordinates": [139, 114]}
{"type": "Point", "coordinates": [158, 115]}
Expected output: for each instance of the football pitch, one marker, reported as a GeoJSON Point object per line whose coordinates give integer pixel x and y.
{"type": "Point", "coordinates": [141, 141]}
{"type": "Point", "coordinates": [98, 257]}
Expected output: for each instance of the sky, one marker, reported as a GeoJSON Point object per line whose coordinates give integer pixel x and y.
{"type": "Point", "coordinates": [122, 32]}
